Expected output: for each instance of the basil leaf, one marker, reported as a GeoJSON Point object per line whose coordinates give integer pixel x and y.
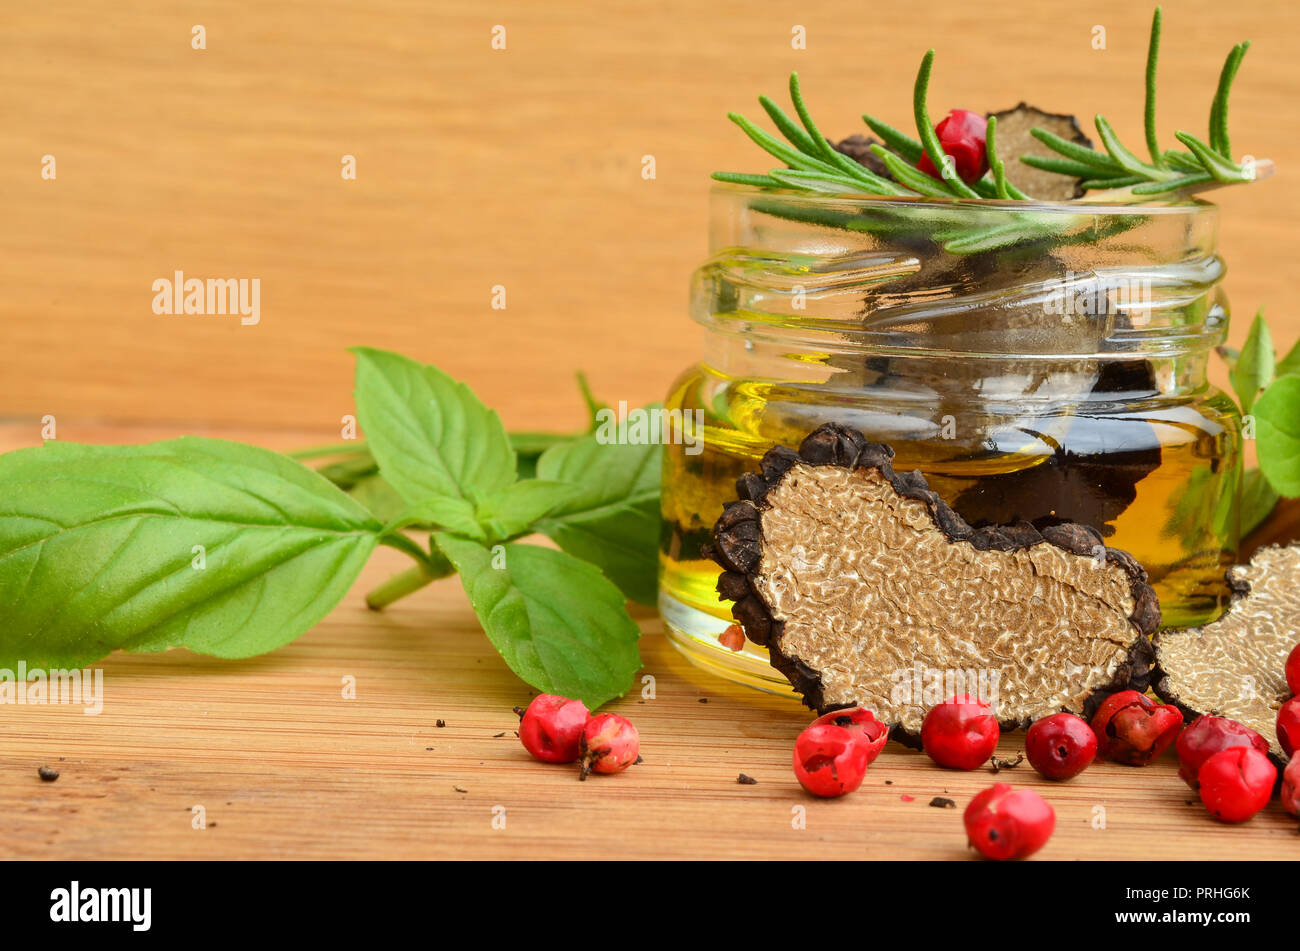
{"type": "Point", "coordinates": [557, 622]}
{"type": "Point", "coordinates": [613, 519]}
{"type": "Point", "coordinates": [1277, 435]}
{"type": "Point", "coordinates": [378, 496]}
{"type": "Point", "coordinates": [1290, 364]}
{"type": "Point", "coordinates": [429, 433]}
{"type": "Point", "coordinates": [1257, 500]}
{"type": "Point", "coordinates": [516, 507]}
{"type": "Point", "coordinates": [1255, 367]}
{"type": "Point", "coordinates": [445, 512]}
{"type": "Point", "coordinates": [98, 550]}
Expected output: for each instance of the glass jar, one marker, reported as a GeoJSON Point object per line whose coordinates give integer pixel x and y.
{"type": "Point", "coordinates": [1035, 361]}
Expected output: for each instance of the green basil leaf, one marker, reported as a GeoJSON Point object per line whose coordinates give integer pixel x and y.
{"type": "Point", "coordinates": [378, 497]}
{"type": "Point", "coordinates": [429, 433]}
{"type": "Point", "coordinates": [99, 550]}
{"type": "Point", "coordinates": [1258, 499]}
{"type": "Point", "coordinates": [445, 512]}
{"type": "Point", "coordinates": [1290, 364]}
{"type": "Point", "coordinates": [517, 507]}
{"type": "Point", "coordinates": [1277, 435]}
{"type": "Point", "coordinates": [613, 520]}
{"type": "Point", "coordinates": [1255, 367]}
{"type": "Point", "coordinates": [557, 622]}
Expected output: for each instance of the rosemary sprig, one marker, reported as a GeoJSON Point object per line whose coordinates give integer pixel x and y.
{"type": "Point", "coordinates": [1117, 169]}
{"type": "Point", "coordinates": [929, 138]}
{"type": "Point", "coordinates": [814, 164]}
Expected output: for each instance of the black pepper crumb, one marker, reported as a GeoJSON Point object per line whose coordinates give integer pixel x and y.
{"type": "Point", "coordinates": [440, 724]}
{"type": "Point", "coordinates": [889, 782]}
{"type": "Point", "coordinates": [704, 699]}
{"type": "Point", "coordinates": [939, 802]}
{"type": "Point", "coordinates": [1000, 764]}
{"type": "Point", "coordinates": [497, 736]}
{"type": "Point", "coordinates": [746, 780]}
{"type": "Point", "coordinates": [428, 749]}
{"type": "Point", "coordinates": [639, 761]}
{"type": "Point", "coordinates": [48, 774]}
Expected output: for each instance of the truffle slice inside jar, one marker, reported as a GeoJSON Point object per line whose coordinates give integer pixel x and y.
{"type": "Point", "coordinates": [865, 587]}
{"type": "Point", "coordinates": [1234, 667]}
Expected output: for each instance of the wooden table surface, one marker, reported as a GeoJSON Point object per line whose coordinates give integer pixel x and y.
{"type": "Point", "coordinates": [285, 767]}
{"type": "Point", "coordinates": [518, 168]}
{"type": "Point", "coordinates": [476, 168]}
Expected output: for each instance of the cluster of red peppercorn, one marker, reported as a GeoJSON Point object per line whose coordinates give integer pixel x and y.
{"type": "Point", "coordinates": [1225, 761]}
{"type": "Point", "coordinates": [559, 730]}
{"type": "Point", "coordinates": [1228, 763]}
{"type": "Point", "coordinates": [831, 758]}
{"type": "Point", "coordinates": [832, 755]}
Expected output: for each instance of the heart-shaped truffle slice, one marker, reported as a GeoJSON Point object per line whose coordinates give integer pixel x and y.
{"type": "Point", "coordinates": [1234, 667]}
{"type": "Point", "coordinates": [867, 589]}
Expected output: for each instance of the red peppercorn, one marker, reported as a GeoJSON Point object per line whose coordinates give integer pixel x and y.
{"type": "Point", "coordinates": [1291, 787]}
{"type": "Point", "coordinates": [1236, 783]}
{"type": "Point", "coordinates": [830, 760]}
{"type": "Point", "coordinates": [1206, 736]}
{"type": "Point", "coordinates": [960, 733]}
{"type": "Point", "coordinates": [610, 744]}
{"type": "Point", "coordinates": [551, 727]}
{"type": "Point", "coordinates": [961, 135]}
{"type": "Point", "coordinates": [733, 638]}
{"type": "Point", "coordinates": [1006, 823]}
{"type": "Point", "coordinates": [1133, 729]}
{"type": "Point", "coordinates": [1293, 671]}
{"type": "Point", "coordinates": [864, 726]}
{"type": "Point", "coordinates": [1288, 726]}
{"type": "Point", "coordinates": [1061, 746]}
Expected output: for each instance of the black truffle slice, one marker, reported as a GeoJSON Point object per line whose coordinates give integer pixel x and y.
{"type": "Point", "coordinates": [1234, 667]}
{"type": "Point", "coordinates": [858, 148]}
{"type": "Point", "coordinates": [1092, 475]}
{"type": "Point", "coordinates": [1014, 140]}
{"type": "Point", "coordinates": [856, 578]}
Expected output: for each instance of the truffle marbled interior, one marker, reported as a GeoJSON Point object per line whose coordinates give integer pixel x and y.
{"type": "Point", "coordinates": [867, 586]}
{"type": "Point", "coordinates": [1234, 667]}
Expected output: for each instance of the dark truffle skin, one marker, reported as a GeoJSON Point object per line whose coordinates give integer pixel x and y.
{"type": "Point", "coordinates": [858, 148]}
{"type": "Point", "coordinates": [739, 550]}
{"type": "Point", "coordinates": [1015, 140]}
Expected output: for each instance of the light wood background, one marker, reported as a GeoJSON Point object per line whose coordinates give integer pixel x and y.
{"type": "Point", "coordinates": [477, 168]}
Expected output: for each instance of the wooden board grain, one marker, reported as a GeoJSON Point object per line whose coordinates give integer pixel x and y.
{"type": "Point", "coordinates": [284, 766]}
{"type": "Point", "coordinates": [476, 168]}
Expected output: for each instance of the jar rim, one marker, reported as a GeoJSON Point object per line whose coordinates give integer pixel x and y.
{"type": "Point", "coordinates": [1187, 206]}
